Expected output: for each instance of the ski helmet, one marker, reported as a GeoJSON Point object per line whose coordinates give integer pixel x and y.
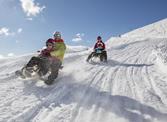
{"type": "Point", "coordinates": [57, 34]}
{"type": "Point", "coordinates": [99, 38]}
{"type": "Point", "coordinates": [49, 41]}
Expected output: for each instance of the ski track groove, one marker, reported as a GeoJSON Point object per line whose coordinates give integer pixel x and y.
{"type": "Point", "coordinates": [82, 101]}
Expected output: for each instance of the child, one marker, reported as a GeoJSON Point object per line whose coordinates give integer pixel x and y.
{"type": "Point", "coordinates": [42, 61]}
{"type": "Point", "coordinates": [49, 48]}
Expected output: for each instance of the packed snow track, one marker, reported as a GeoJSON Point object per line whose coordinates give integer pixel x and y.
{"type": "Point", "coordinates": [131, 87]}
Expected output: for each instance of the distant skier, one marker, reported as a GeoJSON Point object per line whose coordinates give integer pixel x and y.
{"type": "Point", "coordinates": [99, 50]}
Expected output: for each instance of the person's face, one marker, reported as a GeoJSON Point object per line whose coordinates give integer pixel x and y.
{"type": "Point", "coordinates": [98, 40]}
{"type": "Point", "coordinates": [49, 46]}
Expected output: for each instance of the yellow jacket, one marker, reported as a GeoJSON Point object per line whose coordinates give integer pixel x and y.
{"type": "Point", "coordinates": [59, 50]}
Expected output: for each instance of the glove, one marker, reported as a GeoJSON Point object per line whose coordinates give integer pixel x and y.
{"type": "Point", "coordinates": [45, 53]}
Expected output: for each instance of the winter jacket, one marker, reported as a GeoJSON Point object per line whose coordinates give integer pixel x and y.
{"type": "Point", "coordinates": [45, 53]}
{"type": "Point", "coordinates": [59, 49]}
{"type": "Point", "coordinates": [99, 44]}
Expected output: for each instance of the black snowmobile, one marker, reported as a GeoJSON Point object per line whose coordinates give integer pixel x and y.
{"type": "Point", "coordinates": [98, 53]}
{"type": "Point", "coordinates": [37, 67]}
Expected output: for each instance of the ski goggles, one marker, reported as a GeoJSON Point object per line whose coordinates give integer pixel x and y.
{"type": "Point", "coordinates": [57, 35]}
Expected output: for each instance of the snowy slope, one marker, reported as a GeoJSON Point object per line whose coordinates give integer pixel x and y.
{"type": "Point", "coordinates": [73, 49]}
{"type": "Point", "coordinates": [131, 87]}
{"type": "Point", "coordinates": [156, 30]}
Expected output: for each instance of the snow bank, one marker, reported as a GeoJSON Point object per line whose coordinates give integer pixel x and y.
{"type": "Point", "coordinates": [72, 49]}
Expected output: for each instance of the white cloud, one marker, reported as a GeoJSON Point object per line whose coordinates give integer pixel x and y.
{"type": "Point", "coordinates": [31, 8]}
{"type": "Point", "coordinates": [5, 32]}
{"type": "Point", "coordinates": [19, 30]}
{"type": "Point", "coordinates": [78, 37]}
{"type": "Point", "coordinates": [11, 54]}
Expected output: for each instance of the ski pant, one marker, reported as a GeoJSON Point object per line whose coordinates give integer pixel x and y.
{"type": "Point", "coordinates": [105, 55]}
{"type": "Point", "coordinates": [41, 62]}
{"type": "Point", "coordinates": [54, 66]}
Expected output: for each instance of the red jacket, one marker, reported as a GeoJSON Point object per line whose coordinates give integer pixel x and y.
{"type": "Point", "coordinates": [45, 53]}
{"type": "Point", "coordinates": [59, 40]}
{"type": "Point", "coordinates": [99, 44]}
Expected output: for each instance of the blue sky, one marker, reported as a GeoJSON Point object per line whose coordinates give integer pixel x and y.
{"type": "Point", "coordinates": [26, 24]}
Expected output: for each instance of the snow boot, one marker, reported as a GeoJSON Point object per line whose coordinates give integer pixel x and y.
{"type": "Point", "coordinates": [51, 78]}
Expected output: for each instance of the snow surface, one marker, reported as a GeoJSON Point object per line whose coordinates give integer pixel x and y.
{"type": "Point", "coordinates": [131, 87]}
{"type": "Point", "coordinates": [158, 29]}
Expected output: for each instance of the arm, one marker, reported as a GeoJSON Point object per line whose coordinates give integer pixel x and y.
{"type": "Point", "coordinates": [45, 53]}
{"type": "Point", "coordinates": [59, 52]}
{"type": "Point", "coordinates": [104, 47]}
{"type": "Point", "coordinates": [95, 46]}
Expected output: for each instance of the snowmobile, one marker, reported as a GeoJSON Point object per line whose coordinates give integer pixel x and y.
{"type": "Point", "coordinates": [98, 53]}
{"type": "Point", "coordinates": [32, 69]}
{"type": "Point", "coordinates": [35, 68]}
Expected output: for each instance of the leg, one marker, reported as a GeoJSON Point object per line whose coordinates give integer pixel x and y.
{"type": "Point", "coordinates": [32, 65]}
{"type": "Point", "coordinates": [44, 66]}
{"type": "Point", "coordinates": [54, 72]}
{"type": "Point", "coordinates": [101, 57]}
{"type": "Point", "coordinates": [33, 61]}
{"type": "Point", "coordinates": [90, 56]}
{"type": "Point", "coordinates": [104, 55]}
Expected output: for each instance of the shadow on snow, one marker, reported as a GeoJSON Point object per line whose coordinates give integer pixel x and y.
{"type": "Point", "coordinates": [113, 63]}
